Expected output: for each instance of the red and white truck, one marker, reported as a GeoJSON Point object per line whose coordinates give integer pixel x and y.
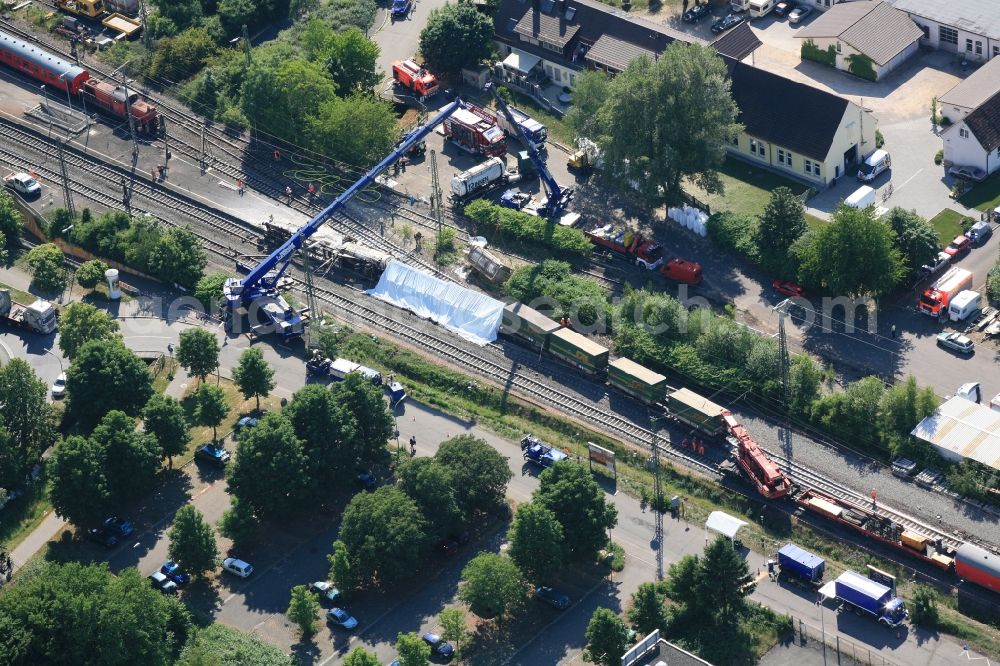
{"type": "Point", "coordinates": [413, 77]}
{"type": "Point", "coordinates": [935, 299]}
{"type": "Point", "coordinates": [682, 270]}
{"type": "Point", "coordinates": [646, 253]}
{"type": "Point", "coordinates": [475, 130]}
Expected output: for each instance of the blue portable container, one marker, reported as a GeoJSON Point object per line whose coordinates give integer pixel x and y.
{"type": "Point", "coordinates": [801, 563]}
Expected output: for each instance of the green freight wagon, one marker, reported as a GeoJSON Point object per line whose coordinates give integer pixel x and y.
{"type": "Point", "coordinates": [578, 351]}
{"type": "Point", "coordinates": [636, 380]}
{"type": "Point", "coordinates": [527, 325]}
{"type": "Point", "coordinates": [690, 408]}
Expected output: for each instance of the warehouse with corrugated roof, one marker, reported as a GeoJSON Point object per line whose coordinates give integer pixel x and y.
{"type": "Point", "coordinates": [961, 429]}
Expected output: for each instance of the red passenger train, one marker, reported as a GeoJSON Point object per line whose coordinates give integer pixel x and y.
{"type": "Point", "coordinates": [64, 75]}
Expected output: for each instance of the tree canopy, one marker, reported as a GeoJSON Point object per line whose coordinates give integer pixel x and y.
{"type": "Point", "coordinates": [431, 485]}
{"type": "Point", "coordinates": [106, 375]}
{"type": "Point", "coordinates": [328, 432]}
{"type": "Point", "coordinates": [81, 322]}
{"type": "Point", "coordinates": [537, 542]}
{"type": "Point", "coordinates": [916, 239]}
{"type": "Point", "coordinates": [45, 263]}
{"type": "Point", "coordinates": [26, 414]}
{"type": "Point", "coordinates": [131, 458]}
{"type": "Point", "coordinates": [687, 83]}
{"type": "Point", "coordinates": [493, 586]}
{"type": "Point", "coordinates": [607, 638]}
{"type": "Point", "coordinates": [219, 644]}
{"type": "Point", "coordinates": [198, 352]}
{"type": "Point", "coordinates": [90, 274]}
{"type": "Point", "coordinates": [412, 650]}
{"type": "Point", "coordinates": [83, 614]}
{"type": "Point", "coordinates": [164, 419]}
{"type": "Point", "coordinates": [303, 609]}
{"type": "Point", "coordinates": [648, 611]}
{"type": "Point", "coordinates": [479, 471]}
{"type": "Point", "coordinates": [571, 494]}
{"type": "Point", "coordinates": [270, 472]}
{"type": "Point", "coordinates": [374, 424]}
{"type": "Point", "coordinates": [253, 376]}
{"type": "Point", "coordinates": [781, 224]}
{"type": "Point", "coordinates": [192, 542]}
{"type": "Point", "coordinates": [385, 536]}
{"type": "Point", "coordinates": [455, 36]}
{"type": "Point", "coordinates": [78, 486]}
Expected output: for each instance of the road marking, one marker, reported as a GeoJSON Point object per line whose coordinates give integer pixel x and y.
{"type": "Point", "coordinates": [897, 189]}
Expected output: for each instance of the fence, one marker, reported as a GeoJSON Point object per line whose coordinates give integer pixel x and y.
{"type": "Point", "coordinates": [845, 652]}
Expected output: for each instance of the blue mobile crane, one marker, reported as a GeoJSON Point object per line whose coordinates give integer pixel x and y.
{"type": "Point", "coordinates": [557, 198]}
{"type": "Point", "coordinates": [259, 288]}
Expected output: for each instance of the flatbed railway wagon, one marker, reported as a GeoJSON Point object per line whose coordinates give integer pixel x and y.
{"type": "Point", "coordinates": [696, 411]}
{"type": "Point", "coordinates": [527, 325]}
{"type": "Point", "coordinates": [578, 351]}
{"type": "Point", "coordinates": [636, 380]}
{"type": "Point", "coordinates": [878, 527]}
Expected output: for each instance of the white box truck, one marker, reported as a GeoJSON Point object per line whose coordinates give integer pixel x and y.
{"type": "Point", "coordinates": [964, 304]}
{"type": "Point", "coordinates": [862, 197]}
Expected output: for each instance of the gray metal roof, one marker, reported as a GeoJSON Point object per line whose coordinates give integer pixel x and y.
{"type": "Point", "coordinates": [981, 17]}
{"type": "Point", "coordinates": [553, 29]}
{"type": "Point", "coordinates": [737, 43]}
{"type": "Point", "coordinates": [978, 87]}
{"type": "Point", "coordinates": [876, 29]}
{"type": "Point", "coordinates": [616, 54]}
{"type": "Point", "coordinates": [965, 429]}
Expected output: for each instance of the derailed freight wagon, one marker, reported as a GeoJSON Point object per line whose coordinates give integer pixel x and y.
{"type": "Point", "coordinates": [578, 351]}
{"type": "Point", "coordinates": [528, 325]}
{"type": "Point", "coordinates": [636, 380]}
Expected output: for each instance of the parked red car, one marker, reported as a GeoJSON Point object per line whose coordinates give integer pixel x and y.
{"type": "Point", "coordinates": [960, 245]}
{"type": "Point", "coordinates": [788, 288]}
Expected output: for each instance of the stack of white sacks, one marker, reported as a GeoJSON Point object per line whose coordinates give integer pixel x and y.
{"type": "Point", "coordinates": [690, 218]}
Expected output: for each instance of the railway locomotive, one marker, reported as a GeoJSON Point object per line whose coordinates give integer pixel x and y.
{"type": "Point", "coordinates": [77, 82]}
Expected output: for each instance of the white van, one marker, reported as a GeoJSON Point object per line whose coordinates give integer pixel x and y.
{"type": "Point", "coordinates": [760, 8]}
{"type": "Point", "coordinates": [964, 304]}
{"type": "Point", "coordinates": [862, 197]}
{"type": "Point", "coordinates": [873, 165]}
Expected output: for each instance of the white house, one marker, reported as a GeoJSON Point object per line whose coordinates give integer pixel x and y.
{"type": "Point", "coordinates": [974, 141]}
{"type": "Point", "coordinates": [868, 32]}
{"type": "Point", "coordinates": [971, 92]}
{"type": "Point", "coordinates": [969, 27]}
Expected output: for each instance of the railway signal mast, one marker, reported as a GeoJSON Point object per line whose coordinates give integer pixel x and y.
{"type": "Point", "coordinates": [785, 432]}
{"type": "Point", "coordinates": [258, 290]}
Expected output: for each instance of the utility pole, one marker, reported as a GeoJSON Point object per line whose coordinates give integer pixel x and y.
{"type": "Point", "coordinates": [657, 498]}
{"type": "Point", "coordinates": [246, 44]}
{"type": "Point", "coordinates": [436, 211]}
{"type": "Point", "coordinates": [202, 162]}
{"type": "Point", "coordinates": [126, 196]}
{"type": "Point", "coordinates": [147, 39]}
{"type": "Point", "coordinates": [310, 296]}
{"type": "Point", "coordinates": [785, 431]}
{"type": "Point", "coordinates": [67, 193]}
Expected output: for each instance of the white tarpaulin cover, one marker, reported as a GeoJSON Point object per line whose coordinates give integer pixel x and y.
{"type": "Point", "coordinates": [723, 523]}
{"type": "Point", "coordinates": [471, 314]}
{"type": "Point", "coordinates": [521, 62]}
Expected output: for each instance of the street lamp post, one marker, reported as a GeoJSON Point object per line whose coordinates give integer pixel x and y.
{"type": "Point", "coordinates": [49, 351]}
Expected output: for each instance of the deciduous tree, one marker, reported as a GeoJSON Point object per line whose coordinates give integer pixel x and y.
{"type": "Point", "coordinates": [452, 621]}
{"type": "Point", "coordinates": [589, 94]}
{"type": "Point", "coordinates": [10, 218]}
{"type": "Point", "coordinates": [352, 60]}
{"type": "Point", "coordinates": [218, 644]}
{"type": "Point", "coordinates": [25, 413]}
{"type": "Point", "coordinates": [78, 614]}
{"type": "Point", "coordinates": [455, 36]}
{"type": "Point", "coordinates": [88, 276]}
{"type": "Point", "coordinates": [238, 523]}
{"type": "Point", "coordinates": [607, 638]}
{"type": "Point", "coordinates": [412, 650]}
{"type": "Point", "coordinates": [303, 610]}
{"type": "Point", "coordinates": [81, 322]}
{"type": "Point", "coordinates": [430, 484]}
{"type": "Point", "coordinates": [340, 567]}
{"type": "Point", "coordinates": [164, 419]}
{"type": "Point", "coordinates": [916, 239]}
{"type": "Point", "coordinates": [570, 492]}
{"type": "Point", "coordinates": [192, 542]}
{"type": "Point", "coordinates": [853, 255]}
{"type": "Point", "coordinates": [782, 223]}
{"type": "Point", "coordinates": [106, 375]}
{"type": "Point", "coordinates": [253, 376]}
{"type": "Point", "coordinates": [360, 129]}
{"type": "Point", "coordinates": [209, 290]}
{"type": "Point", "coordinates": [373, 421]}
{"type": "Point", "coordinates": [687, 81]}
{"type": "Point", "coordinates": [78, 487]}
{"type": "Point", "coordinates": [648, 611]}
{"type": "Point", "coordinates": [210, 407]}
{"type": "Point", "coordinates": [493, 586]}
{"type": "Point", "coordinates": [328, 432]}
{"type": "Point", "coordinates": [361, 657]}
{"type": "Point", "coordinates": [270, 472]}
{"type": "Point", "coordinates": [385, 536]}
{"type": "Point", "coordinates": [198, 352]}
{"type": "Point", "coordinates": [279, 97]}
{"type": "Point", "coordinates": [480, 473]}
{"type": "Point", "coordinates": [537, 542]}
{"type": "Point", "coordinates": [45, 263]}
{"type": "Point", "coordinates": [131, 458]}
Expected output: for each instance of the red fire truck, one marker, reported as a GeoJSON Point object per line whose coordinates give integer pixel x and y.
{"type": "Point", "coordinates": [475, 130]}
{"type": "Point", "coordinates": [412, 76]}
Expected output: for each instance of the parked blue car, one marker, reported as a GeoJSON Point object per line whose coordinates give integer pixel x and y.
{"type": "Point", "coordinates": [173, 571]}
{"type": "Point", "coordinates": [401, 8]}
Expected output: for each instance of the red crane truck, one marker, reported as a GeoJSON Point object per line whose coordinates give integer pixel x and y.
{"type": "Point", "coordinates": [646, 253]}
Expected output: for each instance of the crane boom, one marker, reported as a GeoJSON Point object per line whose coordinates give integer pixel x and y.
{"type": "Point", "coordinates": [558, 197]}
{"type": "Point", "coordinates": [265, 275]}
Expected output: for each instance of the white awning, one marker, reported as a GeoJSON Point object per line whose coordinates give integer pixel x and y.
{"type": "Point", "coordinates": [521, 62]}
{"type": "Point", "coordinates": [829, 590]}
{"type": "Point", "coordinates": [723, 523]}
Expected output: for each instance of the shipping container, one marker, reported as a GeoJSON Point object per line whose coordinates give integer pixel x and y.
{"type": "Point", "coordinates": [527, 325]}
{"type": "Point", "coordinates": [801, 563]}
{"type": "Point", "coordinates": [917, 542]}
{"type": "Point", "coordinates": [691, 408]}
{"type": "Point", "coordinates": [636, 380]}
{"type": "Point", "coordinates": [578, 351]}
{"type": "Point", "coordinates": [978, 566]}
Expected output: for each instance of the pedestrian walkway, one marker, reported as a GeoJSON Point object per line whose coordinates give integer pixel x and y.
{"type": "Point", "coordinates": [50, 527]}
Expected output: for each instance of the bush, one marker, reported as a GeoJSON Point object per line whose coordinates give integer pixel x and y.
{"type": "Point", "coordinates": [579, 298]}
{"type": "Point", "coordinates": [45, 263]}
{"type": "Point", "coordinates": [861, 65]}
{"type": "Point", "coordinates": [497, 221]}
{"type": "Point", "coordinates": [735, 232]}
{"type": "Point", "coordinates": [812, 52]}
{"type": "Point", "coordinates": [939, 157]}
{"type": "Point", "coordinates": [879, 139]}
{"type": "Point", "coordinates": [90, 274]}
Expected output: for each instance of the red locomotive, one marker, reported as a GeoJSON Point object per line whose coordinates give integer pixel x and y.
{"type": "Point", "coordinates": [64, 75]}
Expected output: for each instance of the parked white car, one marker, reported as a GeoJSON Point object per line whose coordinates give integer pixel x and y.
{"type": "Point", "coordinates": [237, 567]}
{"type": "Point", "coordinates": [59, 386]}
{"type": "Point", "coordinates": [24, 185]}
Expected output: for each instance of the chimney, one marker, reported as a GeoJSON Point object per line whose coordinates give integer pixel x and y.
{"type": "Point", "coordinates": [536, 5]}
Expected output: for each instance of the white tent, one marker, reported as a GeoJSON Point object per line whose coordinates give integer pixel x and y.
{"type": "Point", "coordinates": [723, 523]}
{"type": "Point", "coordinates": [471, 314]}
{"type": "Point", "coordinates": [521, 63]}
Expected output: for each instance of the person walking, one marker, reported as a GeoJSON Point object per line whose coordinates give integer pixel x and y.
{"type": "Point", "coordinates": [413, 445]}
{"type": "Point", "coordinates": [893, 331]}
{"type": "Point", "coordinates": [288, 193]}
